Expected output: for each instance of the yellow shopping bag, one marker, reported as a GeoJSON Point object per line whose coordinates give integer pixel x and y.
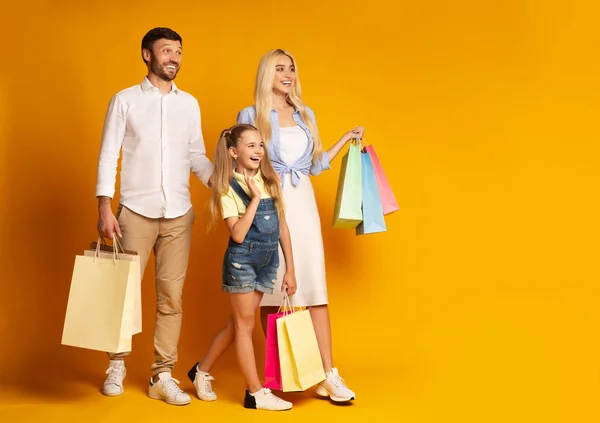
{"type": "Point", "coordinates": [101, 304]}
{"type": "Point", "coordinates": [299, 356]}
{"type": "Point", "coordinates": [106, 251]}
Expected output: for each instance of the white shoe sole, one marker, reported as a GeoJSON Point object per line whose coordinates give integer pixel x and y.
{"type": "Point", "coordinates": [273, 409]}
{"type": "Point", "coordinates": [208, 399]}
{"type": "Point", "coordinates": [322, 392]}
{"type": "Point", "coordinates": [159, 397]}
{"type": "Point", "coordinates": [110, 394]}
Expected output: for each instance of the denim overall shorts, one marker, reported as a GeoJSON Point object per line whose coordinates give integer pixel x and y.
{"type": "Point", "coordinates": [252, 265]}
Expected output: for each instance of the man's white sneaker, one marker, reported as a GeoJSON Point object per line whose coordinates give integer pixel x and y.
{"type": "Point", "coordinates": [335, 388]}
{"type": "Point", "coordinates": [265, 400]}
{"type": "Point", "coordinates": [166, 389]}
{"type": "Point", "coordinates": [113, 385]}
{"type": "Point", "coordinates": [202, 382]}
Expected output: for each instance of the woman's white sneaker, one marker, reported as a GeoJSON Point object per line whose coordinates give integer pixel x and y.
{"type": "Point", "coordinates": [335, 388]}
{"type": "Point", "coordinates": [113, 385]}
{"type": "Point", "coordinates": [265, 400]}
{"type": "Point", "coordinates": [202, 382]}
{"type": "Point", "coordinates": [166, 389]}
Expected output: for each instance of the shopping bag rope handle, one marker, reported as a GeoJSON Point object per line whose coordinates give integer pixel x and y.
{"type": "Point", "coordinates": [116, 246]}
{"type": "Point", "coordinates": [287, 304]}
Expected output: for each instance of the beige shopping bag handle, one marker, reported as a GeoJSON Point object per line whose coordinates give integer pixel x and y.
{"type": "Point", "coordinates": [287, 304]}
{"type": "Point", "coordinates": [115, 249]}
{"type": "Point", "coordinates": [117, 244]}
{"type": "Point", "coordinates": [109, 249]}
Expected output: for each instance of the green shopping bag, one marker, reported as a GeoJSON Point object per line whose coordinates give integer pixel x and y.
{"type": "Point", "coordinates": [348, 202]}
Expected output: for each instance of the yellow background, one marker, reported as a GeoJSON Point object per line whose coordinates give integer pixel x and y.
{"type": "Point", "coordinates": [480, 303]}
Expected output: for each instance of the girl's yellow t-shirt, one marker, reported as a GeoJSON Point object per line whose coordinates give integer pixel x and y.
{"type": "Point", "coordinates": [231, 203]}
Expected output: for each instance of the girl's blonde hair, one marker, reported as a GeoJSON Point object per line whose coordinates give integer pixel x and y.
{"type": "Point", "coordinates": [263, 100]}
{"type": "Point", "coordinates": [223, 172]}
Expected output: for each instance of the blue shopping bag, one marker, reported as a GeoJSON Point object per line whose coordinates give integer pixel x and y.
{"type": "Point", "coordinates": [372, 208]}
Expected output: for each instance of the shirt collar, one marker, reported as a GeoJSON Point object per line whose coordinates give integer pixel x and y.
{"type": "Point", "coordinates": [240, 177]}
{"type": "Point", "coordinates": [147, 86]}
{"type": "Point", "coordinates": [296, 111]}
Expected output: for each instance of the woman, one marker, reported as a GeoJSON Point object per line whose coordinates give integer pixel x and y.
{"type": "Point", "coordinates": [289, 128]}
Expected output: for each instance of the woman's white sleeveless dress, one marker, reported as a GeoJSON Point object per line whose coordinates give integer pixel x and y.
{"type": "Point", "coordinates": [303, 220]}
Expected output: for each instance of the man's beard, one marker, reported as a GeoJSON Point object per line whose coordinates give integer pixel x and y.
{"type": "Point", "coordinates": [159, 70]}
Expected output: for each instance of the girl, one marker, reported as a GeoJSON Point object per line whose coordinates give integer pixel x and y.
{"type": "Point", "coordinates": [289, 128]}
{"type": "Point", "coordinates": [246, 190]}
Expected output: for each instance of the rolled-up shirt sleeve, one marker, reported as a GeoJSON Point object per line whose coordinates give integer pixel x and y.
{"type": "Point", "coordinates": [200, 165]}
{"type": "Point", "coordinates": [110, 148]}
{"type": "Point", "coordinates": [320, 165]}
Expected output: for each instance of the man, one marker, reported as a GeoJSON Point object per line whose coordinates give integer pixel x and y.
{"type": "Point", "coordinates": [158, 128]}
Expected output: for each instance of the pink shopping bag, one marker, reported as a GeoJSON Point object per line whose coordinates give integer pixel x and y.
{"type": "Point", "coordinates": [272, 362]}
{"type": "Point", "coordinates": [272, 368]}
{"type": "Point", "coordinates": [388, 201]}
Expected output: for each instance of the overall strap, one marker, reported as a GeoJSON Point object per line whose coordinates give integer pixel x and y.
{"type": "Point", "coordinates": [240, 191]}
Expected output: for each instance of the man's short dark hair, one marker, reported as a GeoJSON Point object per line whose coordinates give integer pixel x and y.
{"type": "Point", "coordinates": [156, 34]}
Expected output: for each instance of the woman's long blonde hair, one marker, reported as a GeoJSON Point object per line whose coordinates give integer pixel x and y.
{"type": "Point", "coordinates": [220, 180]}
{"type": "Point", "coordinates": [263, 99]}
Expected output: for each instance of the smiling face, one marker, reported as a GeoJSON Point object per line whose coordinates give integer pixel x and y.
{"type": "Point", "coordinates": [164, 60]}
{"type": "Point", "coordinates": [248, 152]}
{"type": "Point", "coordinates": [285, 75]}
